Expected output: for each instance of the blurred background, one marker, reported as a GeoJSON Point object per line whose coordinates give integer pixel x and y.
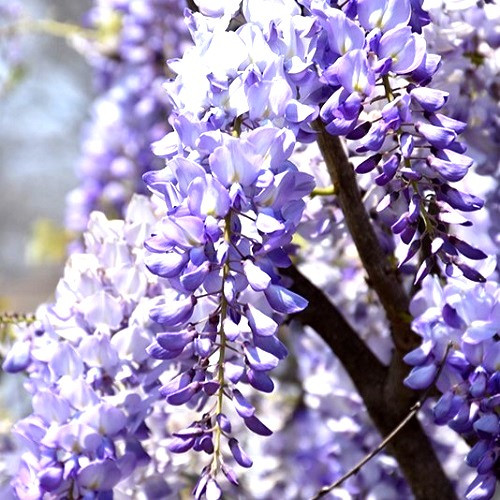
{"type": "Point", "coordinates": [41, 115]}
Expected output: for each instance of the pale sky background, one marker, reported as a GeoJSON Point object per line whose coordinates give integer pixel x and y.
{"type": "Point", "coordinates": [40, 129]}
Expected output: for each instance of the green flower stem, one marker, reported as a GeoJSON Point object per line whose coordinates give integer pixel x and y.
{"type": "Point", "coordinates": [222, 354]}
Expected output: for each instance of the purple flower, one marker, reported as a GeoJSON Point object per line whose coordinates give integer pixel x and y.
{"type": "Point", "coordinates": [384, 15]}
{"type": "Point", "coordinates": [130, 111]}
{"type": "Point", "coordinates": [237, 208]}
{"type": "Point", "coordinates": [91, 390]}
{"type": "Point", "coordinates": [405, 49]}
{"type": "Point", "coordinates": [465, 317]}
{"type": "Point", "coordinates": [18, 358]}
{"type": "Point", "coordinates": [343, 34]}
{"type": "Point", "coordinates": [169, 311]}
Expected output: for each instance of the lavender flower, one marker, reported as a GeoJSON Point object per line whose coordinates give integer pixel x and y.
{"type": "Point", "coordinates": [230, 219]}
{"type": "Point", "coordinates": [464, 34]}
{"type": "Point", "coordinates": [140, 339]}
{"type": "Point", "coordinates": [256, 82]}
{"type": "Point", "coordinates": [91, 380]}
{"type": "Point", "coordinates": [468, 317]}
{"type": "Point", "coordinates": [413, 147]}
{"type": "Point", "coordinates": [340, 60]}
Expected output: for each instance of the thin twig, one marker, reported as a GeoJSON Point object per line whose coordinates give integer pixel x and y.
{"type": "Point", "coordinates": [324, 191]}
{"type": "Point", "coordinates": [15, 318]}
{"type": "Point", "coordinates": [47, 27]}
{"type": "Point", "coordinates": [413, 411]}
{"type": "Point", "coordinates": [192, 5]}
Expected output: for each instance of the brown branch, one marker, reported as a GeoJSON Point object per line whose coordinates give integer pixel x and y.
{"type": "Point", "coordinates": [382, 275]}
{"type": "Point", "coordinates": [411, 446]}
{"type": "Point", "coordinates": [362, 366]}
{"type": "Point", "coordinates": [387, 405]}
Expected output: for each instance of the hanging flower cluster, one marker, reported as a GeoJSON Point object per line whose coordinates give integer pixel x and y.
{"type": "Point", "coordinates": [230, 221]}
{"type": "Point", "coordinates": [283, 69]}
{"type": "Point", "coordinates": [341, 63]}
{"type": "Point", "coordinates": [91, 380]}
{"type": "Point", "coordinates": [374, 53]}
{"type": "Point", "coordinates": [465, 35]}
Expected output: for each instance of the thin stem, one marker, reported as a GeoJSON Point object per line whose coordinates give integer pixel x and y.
{"type": "Point", "coordinates": [208, 294]}
{"type": "Point", "coordinates": [413, 411]}
{"type": "Point", "coordinates": [429, 234]}
{"type": "Point", "coordinates": [15, 318]}
{"type": "Point", "coordinates": [222, 354]}
{"type": "Point", "coordinates": [324, 191]}
{"type": "Point", "coordinates": [253, 219]}
{"type": "Point", "coordinates": [48, 27]}
{"type": "Point", "coordinates": [231, 348]}
{"type": "Point", "coordinates": [387, 87]}
{"type": "Point", "coordinates": [191, 5]}
{"type": "Point", "coordinates": [237, 126]}
{"type": "Point", "coordinates": [241, 235]}
{"type": "Point", "coordinates": [239, 252]}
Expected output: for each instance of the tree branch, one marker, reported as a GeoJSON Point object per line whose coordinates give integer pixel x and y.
{"type": "Point", "coordinates": [389, 405]}
{"type": "Point", "coordinates": [383, 277]}
{"type": "Point", "coordinates": [323, 491]}
{"type": "Point", "coordinates": [411, 446]}
{"type": "Point", "coordinates": [363, 367]}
